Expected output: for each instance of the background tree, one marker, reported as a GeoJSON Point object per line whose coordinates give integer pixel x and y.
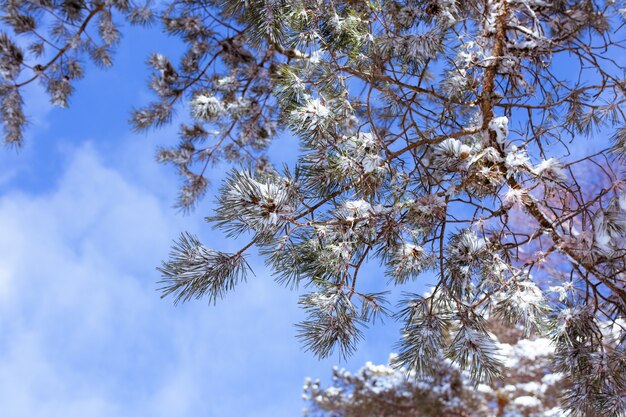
{"type": "Point", "coordinates": [422, 126]}
{"type": "Point", "coordinates": [529, 387]}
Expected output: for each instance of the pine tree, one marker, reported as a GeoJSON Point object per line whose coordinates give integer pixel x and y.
{"type": "Point", "coordinates": [423, 126]}
{"type": "Point", "coordinates": [529, 387]}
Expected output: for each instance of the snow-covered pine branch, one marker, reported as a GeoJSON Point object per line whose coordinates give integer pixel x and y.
{"type": "Point", "coordinates": [434, 135]}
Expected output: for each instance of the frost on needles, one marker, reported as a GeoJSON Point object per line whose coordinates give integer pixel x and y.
{"type": "Point", "coordinates": [439, 136]}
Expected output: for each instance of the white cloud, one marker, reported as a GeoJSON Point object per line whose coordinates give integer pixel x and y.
{"type": "Point", "coordinates": [84, 332]}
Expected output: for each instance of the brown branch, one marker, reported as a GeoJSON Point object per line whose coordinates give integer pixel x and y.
{"type": "Point", "coordinates": [40, 69]}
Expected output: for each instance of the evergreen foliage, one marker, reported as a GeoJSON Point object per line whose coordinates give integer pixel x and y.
{"type": "Point", "coordinates": [435, 135]}
{"type": "Point", "coordinates": [529, 387]}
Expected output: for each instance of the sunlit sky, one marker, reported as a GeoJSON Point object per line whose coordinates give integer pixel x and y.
{"type": "Point", "coordinates": [85, 217]}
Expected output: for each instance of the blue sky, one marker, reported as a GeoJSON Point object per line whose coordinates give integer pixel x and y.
{"type": "Point", "coordinates": [86, 215]}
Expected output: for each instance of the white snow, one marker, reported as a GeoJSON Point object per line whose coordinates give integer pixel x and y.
{"type": "Point", "coordinates": [500, 125]}
{"type": "Point", "coordinates": [517, 158]}
{"type": "Point", "coordinates": [527, 401]}
{"type": "Point", "coordinates": [550, 168]}
{"type": "Point", "coordinates": [206, 107]}
{"type": "Point", "coordinates": [312, 114]}
{"type": "Point", "coordinates": [360, 208]}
